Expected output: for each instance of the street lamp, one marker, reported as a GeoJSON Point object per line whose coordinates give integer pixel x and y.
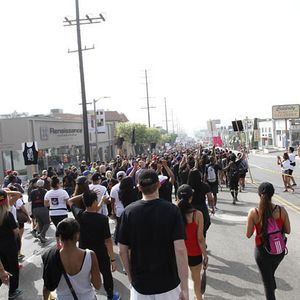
{"type": "Point", "coordinates": [95, 116]}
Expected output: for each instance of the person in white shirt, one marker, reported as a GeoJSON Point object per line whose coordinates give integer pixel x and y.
{"type": "Point", "coordinates": [101, 192]}
{"type": "Point", "coordinates": [117, 205]}
{"type": "Point", "coordinates": [285, 171]}
{"type": "Point", "coordinates": [292, 158]}
{"type": "Point", "coordinates": [56, 199]}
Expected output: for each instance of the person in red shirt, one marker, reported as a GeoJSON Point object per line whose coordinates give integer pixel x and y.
{"type": "Point", "coordinates": [195, 241]}
{"type": "Point", "coordinates": [257, 222]}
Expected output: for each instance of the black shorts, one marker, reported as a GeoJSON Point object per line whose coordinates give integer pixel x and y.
{"type": "Point", "coordinates": [194, 260]}
{"type": "Point", "coordinates": [290, 172]}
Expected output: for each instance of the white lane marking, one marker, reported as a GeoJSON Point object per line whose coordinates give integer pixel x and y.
{"type": "Point", "coordinates": [231, 218]}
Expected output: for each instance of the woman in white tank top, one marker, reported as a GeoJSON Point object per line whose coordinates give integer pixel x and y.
{"type": "Point", "coordinates": [81, 266]}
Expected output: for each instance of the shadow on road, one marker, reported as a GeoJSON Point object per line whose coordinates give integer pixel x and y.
{"type": "Point", "coordinates": [241, 271]}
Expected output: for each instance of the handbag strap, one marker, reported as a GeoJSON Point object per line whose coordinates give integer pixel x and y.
{"type": "Point", "coordinates": [68, 282]}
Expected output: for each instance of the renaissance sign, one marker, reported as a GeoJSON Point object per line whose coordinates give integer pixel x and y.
{"type": "Point", "coordinates": [290, 111]}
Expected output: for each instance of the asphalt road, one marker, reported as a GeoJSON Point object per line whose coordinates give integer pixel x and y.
{"type": "Point", "coordinates": [232, 272]}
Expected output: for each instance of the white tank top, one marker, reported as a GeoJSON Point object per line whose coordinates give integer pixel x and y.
{"type": "Point", "coordinates": [81, 282]}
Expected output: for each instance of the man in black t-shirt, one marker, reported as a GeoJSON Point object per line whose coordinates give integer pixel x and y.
{"type": "Point", "coordinates": [95, 235]}
{"type": "Point", "coordinates": [151, 242]}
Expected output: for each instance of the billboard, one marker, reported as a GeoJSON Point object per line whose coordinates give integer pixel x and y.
{"type": "Point", "coordinates": [290, 111]}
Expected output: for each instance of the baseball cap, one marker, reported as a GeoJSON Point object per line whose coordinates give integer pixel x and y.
{"type": "Point", "coordinates": [81, 179]}
{"type": "Point", "coordinates": [178, 157]}
{"type": "Point", "coordinates": [266, 188]}
{"type": "Point", "coordinates": [184, 191]}
{"type": "Point", "coordinates": [3, 197]}
{"type": "Point", "coordinates": [86, 173]}
{"type": "Point", "coordinates": [96, 176]}
{"type": "Point", "coordinates": [40, 183]}
{"type": "Point", "coordinates": [44, 172]}
{"type": "Point", "coordinates": [147, 177]}
{"type": "Point", "coordinates": [162, 179]}
{"type": "Point", "coordinates": [121, 174]}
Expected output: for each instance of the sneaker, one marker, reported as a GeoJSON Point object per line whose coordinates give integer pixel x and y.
{"type": "Point", "coordinates": [15, 294]}
{"type": "Point", "coordinates": [294, 184]}
{"type": "Point", "coordinates": [116, 296]}
{"type": "Point", "coordinates": [34, 233]}
{"type": "Point", "coordinates": [41, 238]}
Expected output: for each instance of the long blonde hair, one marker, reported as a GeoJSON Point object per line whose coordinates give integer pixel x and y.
{"type": "Point", "coordinates": [4, 209]}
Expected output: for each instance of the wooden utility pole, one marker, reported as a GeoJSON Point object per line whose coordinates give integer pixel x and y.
{"type": "Point", "coordinates": [77, 22]}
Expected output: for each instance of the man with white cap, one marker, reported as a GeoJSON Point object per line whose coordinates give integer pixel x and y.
{"type": "Point", "coordinates": [39, 211]}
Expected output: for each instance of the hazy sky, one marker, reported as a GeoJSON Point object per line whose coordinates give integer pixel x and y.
{"type": "Point", "coordinates": [221, 59]}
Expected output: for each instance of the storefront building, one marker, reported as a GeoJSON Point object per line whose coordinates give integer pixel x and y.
{"type": "Point", "coordinates": [58, 137]}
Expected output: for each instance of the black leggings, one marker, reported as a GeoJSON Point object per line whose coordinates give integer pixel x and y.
{"type": "Point", "coordinates": [267, 265]}
{"type": "Point", "coordinates": [105, 270]}
{"type": "Point", "coordinates": [9, 259]}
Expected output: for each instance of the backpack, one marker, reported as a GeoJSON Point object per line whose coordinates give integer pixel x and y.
{"type": "Point", "coordinates": [242, 167]}
{"type": "Point", "coordinates": [211, 174]}
{"type": "Point", "coordinates": [233, 172]}
{"type": "Point", "coordinates": [274, 239]}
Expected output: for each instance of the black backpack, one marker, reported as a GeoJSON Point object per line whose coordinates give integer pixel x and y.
{"type": "Point", "coordinates": [233, 172]}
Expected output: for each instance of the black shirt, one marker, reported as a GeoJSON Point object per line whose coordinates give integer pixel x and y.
{"type": "Point", "coordinates": [165, 191]}
{"type": "Point", "coordinates": [37, 197]}
{"type": "Point", "coordinates": [7, 229]}
{"type": "Point", "coordinates": [199, 202]}
{"type": "Point", "coordinates": [149, 229]}
{"type": "Point", "coordinates": [94, 230]}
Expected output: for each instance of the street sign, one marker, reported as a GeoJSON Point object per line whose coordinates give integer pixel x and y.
{"type": "Point", "coordinates": [290, 111]}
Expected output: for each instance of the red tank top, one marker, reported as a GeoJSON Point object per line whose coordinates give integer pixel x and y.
{"type": "Point", "coordinates": [279, 221]}
{"type": "Point", "coordinates": [191, 242]}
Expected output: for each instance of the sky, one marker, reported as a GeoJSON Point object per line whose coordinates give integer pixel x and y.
{"type": "Point", "coordinates": [211, 59]}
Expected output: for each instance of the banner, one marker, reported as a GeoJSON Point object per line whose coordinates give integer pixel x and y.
{"type": "Point", "coordinates": [217, 141]}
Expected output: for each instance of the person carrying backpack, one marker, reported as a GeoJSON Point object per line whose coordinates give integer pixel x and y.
{"type": "Point", "coordinates": [211, 177]}
{"type": "Point", "coordinates": [271, 223]}
{"type": "Point", "coordinates": [233, 177]}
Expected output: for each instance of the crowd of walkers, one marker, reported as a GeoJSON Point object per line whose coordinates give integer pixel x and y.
{"type": "Point", "coordinates": [162, 207]}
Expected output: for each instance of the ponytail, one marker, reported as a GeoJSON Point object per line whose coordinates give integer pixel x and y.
{"type": "Point", "coordinates": [266, 212]}
{"type": "Point", "coordinates": [185, 207]}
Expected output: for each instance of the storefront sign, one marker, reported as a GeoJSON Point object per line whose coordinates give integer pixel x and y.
{"type": "Point", "coordinates": [291, 111]}
{"type": "Point", "coordinates": [65, 131]}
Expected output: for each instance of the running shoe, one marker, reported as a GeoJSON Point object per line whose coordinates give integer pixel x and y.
{"type": "Point", "coordinates": [285, 191]}
{"type": "Point", "coordinates": [34, 233]}
{"type": "Point", "coordinates": [15, 294]}
{"type": "Point", "coordinates": [294, 184]}
{"type": "Point", "coordinates": [41, 238]}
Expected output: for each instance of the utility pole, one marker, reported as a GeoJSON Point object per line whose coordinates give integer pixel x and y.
{"type": "Point", "coordinates": [166, 115]}
{"type": "Point", "coordinates": [148, 107]}
{"type": "Point", "coordinates": [77, 22]}
{"type": "Point", "coordinates": [173, 122]}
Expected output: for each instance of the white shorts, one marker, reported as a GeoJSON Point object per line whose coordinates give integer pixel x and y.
{"type": "Point", "coordinates": [170, 295]}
